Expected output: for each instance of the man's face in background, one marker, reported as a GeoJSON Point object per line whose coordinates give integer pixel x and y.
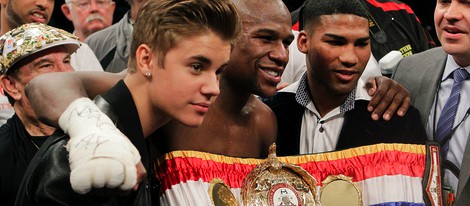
{"type": "Point", "coordinates": [19, 12]}
{"type": "Point", "coordinates": [89, 16]}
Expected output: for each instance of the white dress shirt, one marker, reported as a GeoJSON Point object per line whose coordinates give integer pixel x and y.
{"type": "Point", "coordinates": [320, 134]}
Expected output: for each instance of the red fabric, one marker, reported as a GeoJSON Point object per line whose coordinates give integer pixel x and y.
{"type": "Point", "coordinates": [391, 6]}
{"type": "Point", "coordinates": [295, 27]}
{"type": "Point", "coordinates": [182, 169]}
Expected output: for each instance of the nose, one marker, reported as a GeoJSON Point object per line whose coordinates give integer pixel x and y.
{"type": "Point", "coordinates": [349, 56]}
{"type": "Point", "coordinates": [453, 12]}
{"type": "Point", "coordinates": [280, 53]}
{"type": "Point", "coordinates": [93, 6]}
{"type": "Point", "coordinates": [44, 3]}
{"type": "Point", "coordinates": [211, 86]}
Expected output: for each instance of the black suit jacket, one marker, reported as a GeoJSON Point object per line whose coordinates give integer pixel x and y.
{"type": "Point", "coordinates": [358, 128]}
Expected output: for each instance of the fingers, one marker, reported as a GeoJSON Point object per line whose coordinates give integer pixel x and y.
{"type": "Point", "coordinates": [399, 104]}
{"type": "Point", "coordinates": [130, 178]}
{"type": "Point", "coordinates": [100, 155]}
{"type": "Point", "coordinates": [101, 173]}
{"type": "Point", "coordinates": [105, 161]}
{"type": "Point", "coordinates": [115, 172]}
{"type": "Point", "coordinates": [390, 98]}
{"type": "Point", "coordinates": [80, 180]}
{"type": "Point", "coordinates": [380, 90]}
{"type": "Point", "coordinates": [371, 86]}
{"type": "Point", "coordinates": [99, 177]}
{"type": "Point", "coordinates": [404, 106]}
{"type": "Point", "coordinates": [380, 108]}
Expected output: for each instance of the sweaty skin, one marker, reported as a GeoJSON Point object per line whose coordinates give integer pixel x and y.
{"type": "Point", "coordinates": [238, 123]}
{"type": "Point", "coordinates": [73, 85]}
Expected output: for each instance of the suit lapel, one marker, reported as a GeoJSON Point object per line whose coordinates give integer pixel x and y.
{"type": "Point", "coordinates": [429, 82]}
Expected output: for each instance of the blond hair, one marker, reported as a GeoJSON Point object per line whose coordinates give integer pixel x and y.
{"type": "Point", "coordinates": [161, 24]}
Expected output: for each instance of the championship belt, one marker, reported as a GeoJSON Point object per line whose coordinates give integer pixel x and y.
{"type": "Point", "coordinates": [432, 185]}
{"type": "Point", "coordinates": [276, 183]}
{"type": "Point", "coordinates": [381, 174]}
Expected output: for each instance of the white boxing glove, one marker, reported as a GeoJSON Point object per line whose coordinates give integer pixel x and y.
{"type": "Point", "coordinates": [99, 154]}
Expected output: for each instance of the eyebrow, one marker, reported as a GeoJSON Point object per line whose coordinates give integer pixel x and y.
{"type": "Point", "coordinates": [41, 61]}
{"type": "Point", "coordinates": [342, 38]}
{"type": "Point", "coordinates": [271, 31]}
{"type": "Point", "coordinates": [48, 60]}
{"type": "Point", "coordinates": [363, 39]}
{"type": "Point", "coordinates": [274, 33]}
{"type": "Point", "coordinates": [203, 59]}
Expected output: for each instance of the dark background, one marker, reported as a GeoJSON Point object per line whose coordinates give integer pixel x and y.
{"type": "Point", "coordinates": [425, 12]}
{"type": "Point", "coordinates": [423, 9]}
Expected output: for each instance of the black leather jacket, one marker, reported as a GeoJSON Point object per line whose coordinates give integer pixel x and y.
{"type": "Point", "coordinates": [46, 181]}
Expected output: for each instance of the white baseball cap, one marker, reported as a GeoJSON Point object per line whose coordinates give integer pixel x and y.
{"type": "Point", "coordinates": [30, 38]}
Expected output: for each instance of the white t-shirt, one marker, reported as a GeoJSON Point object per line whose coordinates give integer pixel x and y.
{"type": "Point", "coordinates": [85, 60]}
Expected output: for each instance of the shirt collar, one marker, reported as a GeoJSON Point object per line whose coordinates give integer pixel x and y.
{"type": "Point", "coordinates": [302, 96]}
{"type": "Point", "coordinates": [451, 65]}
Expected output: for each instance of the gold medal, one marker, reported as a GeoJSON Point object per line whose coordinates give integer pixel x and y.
{"type": "Point", "coordinates": [220, 194]}
{"type": "Point", "coordinates": [278, 183]}
{"type": "Point", "coordinates": [338, 190]}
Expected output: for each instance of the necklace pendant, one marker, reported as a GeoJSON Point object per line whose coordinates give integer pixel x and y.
{"type": "Point", "coordinates": [321, 129]}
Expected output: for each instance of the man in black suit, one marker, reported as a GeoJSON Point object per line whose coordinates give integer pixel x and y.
{"type": "Point", "coordinates": [327, 109]}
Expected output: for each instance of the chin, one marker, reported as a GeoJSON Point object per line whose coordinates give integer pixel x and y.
{"type": "Point", "coordinates": [192, 123]}
{"type": "Point", "coordinates": [97, 27]}
{"type": "Point", "coordinates": [266, 92]}
{"type": "Point", "coordinates": [454, 49]}
{"type": "Point", "coordinates": [344, 91]}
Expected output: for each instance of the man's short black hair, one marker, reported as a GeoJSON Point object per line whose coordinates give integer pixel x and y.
{"type": "Point", "coordinates": [313, 9]}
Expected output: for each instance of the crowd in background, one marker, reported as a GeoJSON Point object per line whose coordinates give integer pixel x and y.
{"type": "Point", "coordinates": [423, 9]}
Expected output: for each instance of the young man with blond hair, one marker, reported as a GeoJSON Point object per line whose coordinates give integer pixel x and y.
{"type": "Point", "coordinates": [192, 49]}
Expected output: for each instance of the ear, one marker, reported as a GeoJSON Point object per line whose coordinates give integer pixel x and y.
{"type": "Point", "coordinates": [8, 85]}
{"type": "Point", "coordinates": [302, 42]}
{"type": "Point", "coordinates": [66, 10]}
{"type": "Point", "coordinates": [145, 59]}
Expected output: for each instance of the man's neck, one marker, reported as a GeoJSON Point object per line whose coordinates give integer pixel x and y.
{"type": "Point", "coordinates": [232, 98]}
{"type": "Point", "coordinates": [81, 36]}
{"type": "Point", "coordinates": [324, 100]}
{"type": "Point", "coordinates": [462, 60]}
{"type": "Point", "coordinates": [33, 126]}
{"type": "Point", "coordinates": [149, 120]}
{"type": "Point", "coordinates": [135, 7]}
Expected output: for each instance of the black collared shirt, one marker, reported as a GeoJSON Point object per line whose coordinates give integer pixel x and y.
{"type": "Point", "coordinates": [17, 148]}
